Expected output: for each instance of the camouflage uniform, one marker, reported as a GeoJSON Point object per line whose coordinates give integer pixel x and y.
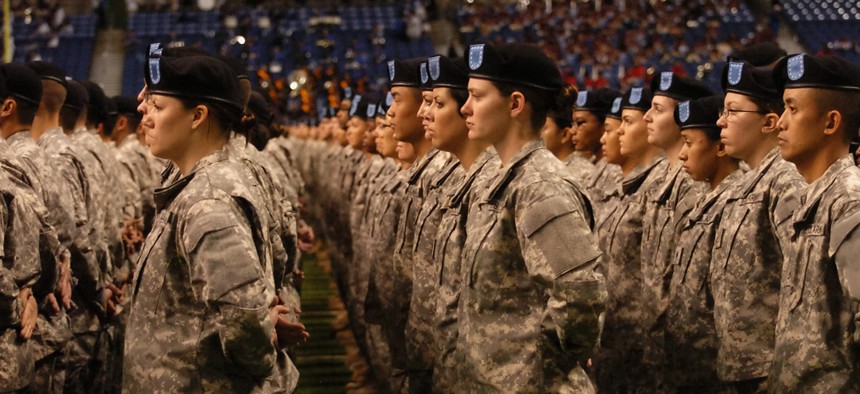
{"type": "Point", "coordinates": [579, 167]}
{"type": "Point", "coordinates": [199, 311]}
{"type": "Point", "coordinates": [417, 184]}
{"type": "Point", "coordinates": [745, 269]}
{"type": "Point", "coordinates": [601, 183]}
{"type": "Point", "coordinates": [447, 249]}
{"type": "Point", "coordinates": [816, 331]}
{"type": "Point", "coordinates": [665, 205]}
{"type": "Point", "coordinates": [691, 336]}
{"type": "Point", "coordinates": [619, 229]}
{"type": "Point", "coordinates": [531, 299]}
{"type": "Point", "coordinates": [19, 250]}
{"type": "Point", "coordinates": [422, 337]}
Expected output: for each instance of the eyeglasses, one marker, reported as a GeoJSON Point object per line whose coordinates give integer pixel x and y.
{"type": "Point", "coordinates": [726, 112]}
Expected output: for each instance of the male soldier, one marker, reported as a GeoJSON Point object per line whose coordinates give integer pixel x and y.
{"type": "Point", "coordinates": [529, 258]}
{"type": "Point", "coordinates": [816, 331]}
{"type": "Point", "coordinates": [56, 270]}
{"type": "Point", "coordinates": [405, 90]}
{"type": "Point", "coordinates": [750, 249]}
{"type": "Point", "coordinates": [589, 116]}
{"type": "Point", "coordinates": [668, 201]}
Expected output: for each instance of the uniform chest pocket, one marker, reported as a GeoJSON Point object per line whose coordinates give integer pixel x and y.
{"type": "Point", "coordinates": [426, 216]}
{"type": "Point", "coordinates": [808, 272]}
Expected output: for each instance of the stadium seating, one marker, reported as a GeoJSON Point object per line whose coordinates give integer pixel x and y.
{"type": "Point", "coordinates": [819, 22]}
{"type": "Point", "coordinates": [75, 49]}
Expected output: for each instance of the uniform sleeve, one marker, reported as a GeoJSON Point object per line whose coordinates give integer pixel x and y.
{"type": "Point", "coordinates": [844, 248]}
{"type": "Point", "coordinates": [559, 248]}
{"type": "Point", "coordinates": [219, 247]}
{"type": "Point", "coordinates": [10, 307]}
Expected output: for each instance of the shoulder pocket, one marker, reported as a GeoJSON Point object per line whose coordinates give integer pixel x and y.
{"type": "Point", "coordinates": [560, 232]}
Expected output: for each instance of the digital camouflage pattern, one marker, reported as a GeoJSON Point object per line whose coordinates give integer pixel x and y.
{"type": "Point", "coordinates": [691, 336]}
{"type": "Point", "coordinates": [199, 311]}
{"type": "Point", "coordinates": [579, 167]}
{"type": "Point", "coordinates": [447, 250]}
{"type": "Point", "coordinates": [619, 231]}
{"type": "Point", "coordinates": [531, 299]}
{"type": "Point", "coordinates": [745, 268]}
{"type": "Point", "coordinates": [816, 343]}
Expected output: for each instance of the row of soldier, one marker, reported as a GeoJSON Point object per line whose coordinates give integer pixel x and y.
{"type": "Point", "coordinates": [81, 192]}
{"type": "Point", "coordinates": [494, 231]}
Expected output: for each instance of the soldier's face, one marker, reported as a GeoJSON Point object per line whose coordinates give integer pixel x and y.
{"type": "Point", "coordinates": [554, 137]}
{"type": "Point", "coordinates": [588, 131]}
{"type": "Point", "coordinates": [424, 111]}
{"type": "Point", "coordinates": [356, 127]}
{"type": "Point", "coordinates": [487, 112]}
{"type": "Point", "coordinates": [167, 124]}
{"type": "Point", "coordinates": [699, 154]}
{"type": "Point", "coordinates": [741, 131]}
{"type": "Point", "coordinates": [663, 132]}
{"type": "Point", "coordinates": [404, 114]}
{"type": "Point", "coordinates": [610, 142]}
{"type": "Point", "coordinates": [801, 125]}
{"type": "Point", "coordinates": [386, 144]}
{"type": "Point", "coordinates": [447, 128]}
{"type": "Point", "coordinates": [633, 133]}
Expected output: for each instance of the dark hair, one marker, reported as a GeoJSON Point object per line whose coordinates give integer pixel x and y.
{"type": "Point", "coordinates": [26, 111]}
{"type": "Point", "coordinates": [259, 135]}
{"type": "Point", "coordinates": [846, 103]}
{"type": "Point", "coordinates": [133, 120]}
{"type": "Point", "coordinates": [539, 100]}
{"type": "Point", "coordinates": [224, 116]}
{"type": "Point", "coordinates": [69, 117]}
{"type": "Point", "coordinates": [460, 96]}
{"type": "Point", "coordinates": [774, 105]}
{"type": "Point", "coordinates": [562, 109]}
{"type": "Point", "coordinates": [53, 95]}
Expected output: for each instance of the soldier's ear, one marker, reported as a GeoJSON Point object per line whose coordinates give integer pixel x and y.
{"type": "Point", "coordinates": [9, 106]}
{"type": "Point", "coordinates": [770, 123]}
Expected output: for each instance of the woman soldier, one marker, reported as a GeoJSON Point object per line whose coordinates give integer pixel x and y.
{"type": "Point", "coordinates": [746, 265]}
{"type": "Point", "coordinates": [199, 318]}
{"type": "Point", "coordinates": [691, 338]}
{"type": "Point", "coordinates": [448, 132]}
{"type": "Point", "coordinates": [531, 299]}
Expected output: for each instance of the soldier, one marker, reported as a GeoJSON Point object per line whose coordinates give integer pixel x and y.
{"type": "Point", "coordinates": [672, 199]}
{"type": "Point", "coordinates": [691, 337]}
{"type": "Point", "coordinates": [204, 324]}
{"type": "Point", "coordinates": [623, 343]}
{"type": "Point", "coordinates": [749, 253]}
{"type": "Point", "coordinates": [529, 259]}
{"type": "Point", "coordinates": [404, 112]}
{"type": "Point", "coordinates": [589, 115]}
{"type": "Point", "coordinates": [133, 156]}
{"type": "Point", "coordinates": [816, 331]}
{"type": "Point", "coordinates": [559, 129]}
{"type": "Point", "coordinates": [477, 162]}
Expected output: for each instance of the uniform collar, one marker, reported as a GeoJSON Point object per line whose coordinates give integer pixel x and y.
{"type": "Point", "coordinates": [713, 196]}
{"type": "Point", "coordinates": [665, 191]}
{"type": "Point", "coordinates": [164, 195]}
{"type": "Point", "coordinates": [507, 172]}
{"type": "Point", "coordinates": [416, 169]}
{"type": "Point", "coordinates": [634, 180]}
{"type": "Point", "coordinates": [761, 170]}
{"type": "Point", "coordinates": [812, 197]}
{"type": "Point", "coordinates": [20, 136]}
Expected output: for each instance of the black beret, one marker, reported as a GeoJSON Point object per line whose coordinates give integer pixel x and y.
{"type": "Point", "coordinates": [743, 78]}
{"type": "Point", "coordinates": [404, 72]}
{"type": "Point", "coordinates": [347, 94]}
{"type": "Point", "coordinates": [424, 82]}
{"type": "Point", "coordinates": [76, 96]}
{"type": "Point", "coordinates": [97, 108]}
{"type": "Point", "coordinates": [236, 65]}
{"type": "Point", "coordinates": [383, 105]}
{"type": "Point", "coordinates": [22, 83]}
{"type": "Point", "coordinates": [821, 72]}
{"type": "Point", "coordinates": [4, 92]}
{"type": "Point", "coordinates": [638, 98]}
{"type": "Point", "coordinates": [48, 71]}
{"type": "Point", "coordinates": [196, 77]}
{"type": "Point", "coordinates": [761, 54]}
{"type": "Point", "coordinates": [177, 51]}
{"type": "Point", "coordinates": [597, 101]}
{"type": "Point", "coordinates": [679, 88]}
{"type": "Point", "coordinates": [700, 113]}
{"type": "Point", "coordinates": [125, 104]}
{"type": "Point", "coordinates": [359, 107]}
{"type": "Point", "coordinates": [260, 107]}
{"type": "Point", "coordinates": [517, 64]}
{"type": "Point", "coordinates": [615, 109]}
{"type": "Point", "coordinates": [448, 73]}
